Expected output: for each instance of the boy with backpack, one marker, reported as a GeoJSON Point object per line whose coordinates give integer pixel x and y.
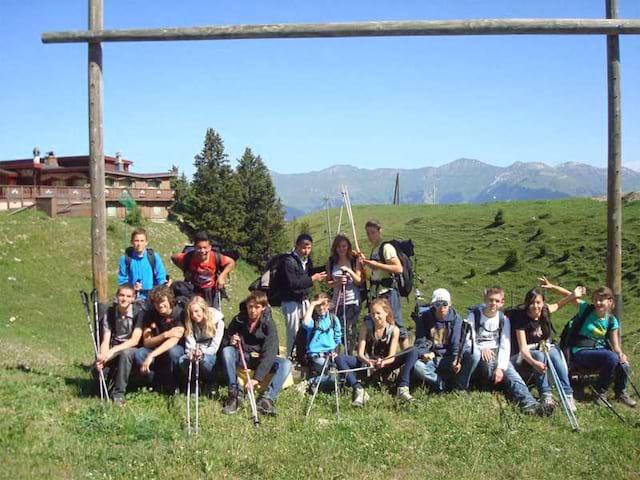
{"type": "Point", "coordinates": [140, 266]}
{"type": "Point", "coordinates": [322, 336]}
{"type": "Point", "coordinates": [121, 332]}
{"type": "Point", "coordinates": [201, 269]}
{"type": "Point", "coordinates": [295, 279]}
{"type": "Point", "coordinates": [441, 351]}
{"type": "Point", "coordinates": [163, 329]}
{"type": "Point", "coordinates": [254, 330]}
{"type": "Point", "coordinates": [491, 335]}
{"type": "Point", "coordinates": [385, 267]}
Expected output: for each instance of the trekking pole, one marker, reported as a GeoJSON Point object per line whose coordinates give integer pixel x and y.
{"type": "Point", "coordinates": [334, 372]}
{"type": "Point", "coordinates": [573, 421]}
{"type": "Point", "coordinates": [197, 395]}
{"type": "Point", "coordinates": [249, 385]}
{"type": "Point", "coordinates": [189, 397]}
{"type": "Point", "coordinates": [340, 219]}
{"type": "Point", "coordinates": [369, 367]}
{"type": "Point", "coordinates": [94, 302]}
{"type": "Point", "coordinates": [317, 386]}
{"type": "Point", "coordinates": [344, 318]}
{"type": "Point", "coordinates": [347, 202]}
{"type": "Point", "coordinates": [101, 380]}
{"type": "Point", "coordinates": [607, 404]}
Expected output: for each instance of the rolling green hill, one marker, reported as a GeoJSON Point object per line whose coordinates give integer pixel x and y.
{"type": "Point", "coordinates": [51, 426]}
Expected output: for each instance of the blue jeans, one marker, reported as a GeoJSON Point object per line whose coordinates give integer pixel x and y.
{"type": "Point", "coordinates": [346, 362]}
{"type": "Point", "coordinates": [165, 366]}
{"type": "Point", "coordinates": [542, 379]}
{"type": "Point", "coordinates": [439, 372]}
{"type": "Point", "coordinates": [512, 381]}
{"type": "Point", "coordinates": [206, 365]}
{"type": "Point", "coordinates": [316, 363]}
{"type": "Point", "coordinates": [280, 369]}
{"type": "Point", "coordinates": [606, 362]}
{"type": "Point", "coordinates": [393, 296]}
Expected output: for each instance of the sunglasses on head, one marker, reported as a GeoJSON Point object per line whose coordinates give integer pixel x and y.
{"type": "Point", "coordinates": [440, 304]}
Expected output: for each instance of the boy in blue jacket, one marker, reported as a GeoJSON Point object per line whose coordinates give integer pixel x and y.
{"type": "Point", "coordinates": [443, 357]}
{"type": "Point", "coordinates": [140, 266]}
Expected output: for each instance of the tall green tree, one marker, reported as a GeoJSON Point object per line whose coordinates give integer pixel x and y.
{"type": "Point", "coordinates": [264, 216]}
{"type": "Point", "coordinates": [212, 201]}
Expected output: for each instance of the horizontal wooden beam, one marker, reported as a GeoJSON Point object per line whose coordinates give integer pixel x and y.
{"type": "Point", "coordinates": [511, 26]}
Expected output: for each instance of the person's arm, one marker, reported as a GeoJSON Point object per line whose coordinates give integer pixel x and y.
{"type": "Point", "coordinates": [454, 343]}
{"type": "Point", "coordinates": [547, 285]}
{"type": "Point", "coordinates": [356, 275]}
{"type": "Point", "coordinates": [327, 269]}
{"type": "Point", "coordinates": [337, 333]}
{"type": "Point", "coordinates": [132, 342]}
{"type": "Point", "coordinates": [616, 347]}
{"type": "Point", "coordinates": [160, 274]}
{"type": "Point", "coordinates": [153, 341]}
{"type": "Point", "coordinates": [393, 348]}
{"type": "Point", "coordinates": [540, 367]}
{"type": "Point", "coordinates": [391, 264]}
{"type": "Point", "coordinates": [296, 279]}
{"type": "Point", "coordinates": [572, 297]}
{"type": "Point", "coordinates": [178, 260]}
{"type": "Point", "coordinates": [504, 348]}
{"type": "Point", "coordinates": [162, 348]}
{"type": "Point", "coordinates": [123, 274]}
{"type": "Point", "coordinates": [215, 342]}
{"type": "Point", "coordinates": [228, 263]}
{"type": "Point", "coordinates": [362, 345]}
{"type": "Point", "coordinates": [307, 320]}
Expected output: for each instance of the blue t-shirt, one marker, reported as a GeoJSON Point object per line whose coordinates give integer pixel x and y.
{"type": "Point", "coordinates": [324, 339]}
{"type": "Point", "coordinates": [595, 328]}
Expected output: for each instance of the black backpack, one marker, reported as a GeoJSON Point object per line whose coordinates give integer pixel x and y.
{"type": "Point", "coordinates": [303, 339]}
{"type": "Point", "coordinates": [570, 336]}
{"type": "Point", "coordinates": [404, 250]}
{"type": "Point", "coordinates": [128, 253]}
{"type": "Point", "coordinates": [269, 281]}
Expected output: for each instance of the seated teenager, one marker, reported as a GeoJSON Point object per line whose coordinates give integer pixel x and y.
{"type": "Point", "coordinates": [597, 346]}
{"type": "Point", "coordinates": [377, 347]}
{"type": "Point", "coordinates": [162, 332]}
{"type": "Point", "coordinates": [532, 324]}
{"type": "Point", "coordinates": [444, 359]}
{"type": "Point", "coordinates": [121, 333]}
{"type": "Point", "coordinates": [254, 330]}
{"type": "Point", "coordinates": [323, 334]}
{"type": "Point", "coordinates": [492, 337]}
{"type": "Point", "coordinates": [204, 327]}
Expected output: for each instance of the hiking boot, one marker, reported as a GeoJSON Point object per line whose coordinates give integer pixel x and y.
{"type": "Point", "coordinates": [571, 404]}
{"type": "Point", "coordinates": [118, 401]}
{"type": "Point", "coordinates": [625, 399]}
{"type": "Point", "coordinates": [533, 409]}
{"type": "Point", "coordinates": [233, 403]}
{"type": "Point", "coordinates": [601, 399]}
{"type": "Point", "coordinates": [266, 406]}
{"type": "Point", "coordinates": [303, 387]}
{"type": "Point", "coordinates": [404, 395]}
{"type": "Point", "coordinates": [548, 403]}
{"type": "Point", "coordinates": [360, 397]}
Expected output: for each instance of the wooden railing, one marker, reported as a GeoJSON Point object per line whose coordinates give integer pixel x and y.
{"type": "Point", "coordinates": [27, 192]}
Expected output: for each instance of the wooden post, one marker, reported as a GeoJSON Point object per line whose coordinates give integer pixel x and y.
{"type": "Point", "coordinates": [96, 154]}
{"type": "Point", "coordinates": [614, 180]}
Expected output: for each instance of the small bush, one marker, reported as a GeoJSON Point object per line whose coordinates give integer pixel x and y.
{"type": "Point", "coordinates": [512, 260]}
{"type": "Point", "coordinates": [544, 215]}
{"type": "Point", "coordinates": [134, 217]}
{"type": "Point", "coordinates": [535, 236]}
{"type": "Point", "coordinates": [565, 256]}
{"type": "Point", "coordinates": [542, 251]}
{"type": "Point", "coordinates": [498, 220]}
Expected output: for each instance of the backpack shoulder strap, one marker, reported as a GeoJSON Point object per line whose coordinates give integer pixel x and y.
{"type": "Point", "coordinates": [187, 260]}
{"type": "Point", "coordinates": [218, 260]}
{"type": "Point", "coordinates": [477, 315]}
{"type": "Point", "coordinates": [577, 325]}
{"type": "Point", "coordinates": [151, 256]}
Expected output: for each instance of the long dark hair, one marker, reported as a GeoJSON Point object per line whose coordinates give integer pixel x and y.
{"type": "Point", "coordinates": [334, 247]}
{"type": "Point", "coordinates": [545, 316]}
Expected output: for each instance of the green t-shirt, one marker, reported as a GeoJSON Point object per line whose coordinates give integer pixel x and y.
{"type": "Point", "coordinates": [595, 328]}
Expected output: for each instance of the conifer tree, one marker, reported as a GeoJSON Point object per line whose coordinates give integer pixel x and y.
{"type": "Point", "coordinates": [264, 217]}
{"type": "Point", "coordinates": [213, 200]}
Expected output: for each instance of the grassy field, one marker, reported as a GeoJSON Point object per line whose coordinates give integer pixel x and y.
{"type": "Point", "coordinates": [51, 426]}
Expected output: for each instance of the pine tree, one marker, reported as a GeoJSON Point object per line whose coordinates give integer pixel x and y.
{"type": "Point", "coordinates": [264, 221]}
{"type": "Point", "coordinates": [212, 202]}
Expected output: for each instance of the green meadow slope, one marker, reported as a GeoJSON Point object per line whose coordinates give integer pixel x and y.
{"type": "Point", "coordinates": [51, 426]}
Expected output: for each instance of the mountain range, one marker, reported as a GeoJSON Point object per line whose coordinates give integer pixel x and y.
{"type": "Point", "coordinates": [461, 181]}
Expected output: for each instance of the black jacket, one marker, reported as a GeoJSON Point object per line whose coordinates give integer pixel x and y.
{"type": "Point", "coordinates": [295, 281]}
{"type": "Point", "coordinates": [264, 341]}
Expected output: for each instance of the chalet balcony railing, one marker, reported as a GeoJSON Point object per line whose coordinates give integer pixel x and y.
{"type": "Point", "coordinates": [27, 192]}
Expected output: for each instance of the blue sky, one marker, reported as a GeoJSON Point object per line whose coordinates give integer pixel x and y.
{"type": "Point", "coordinates": [308, 104]}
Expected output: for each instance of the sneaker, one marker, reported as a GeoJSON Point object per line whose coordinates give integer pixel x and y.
{"type": "Point", "coordinates": [360, 397]}
{"type": "Point", "coordinates": [548, 403]}
{"type": "Point", "coordinates": [571, 404]}
{"type": "Point", "coordinates": [118, 401]}
{"type": "Point", "coordinates": [233, 403]}
{"type": "Point", "coordinates": [302, 387]}
{"type": "Point", "coordinates": [266, 406]}
{"type": "Point", "coordinates": [625, 399]}
{"type": "Point", "coordinates": [533, 409]}
{"type": "Point", "coordinates": [405, 395]}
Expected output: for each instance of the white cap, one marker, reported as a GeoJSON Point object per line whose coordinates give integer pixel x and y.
{"type": "Point", "coordinates": [441, 295]}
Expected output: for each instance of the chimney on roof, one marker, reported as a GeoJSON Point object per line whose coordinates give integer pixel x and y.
{"type": "Point", "coordinates": [36, 155]}
{"type": "Point", "coordinates": [51, 159]}
{"type": "Point", "coordinates": [119, 163]}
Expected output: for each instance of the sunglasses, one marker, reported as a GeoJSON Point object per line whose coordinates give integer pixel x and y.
{"type": "Point", "coordinates": [440, 304]}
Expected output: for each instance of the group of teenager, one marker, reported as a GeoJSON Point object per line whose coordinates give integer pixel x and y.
{"type": "Point", "coordinates": [147, 333]}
